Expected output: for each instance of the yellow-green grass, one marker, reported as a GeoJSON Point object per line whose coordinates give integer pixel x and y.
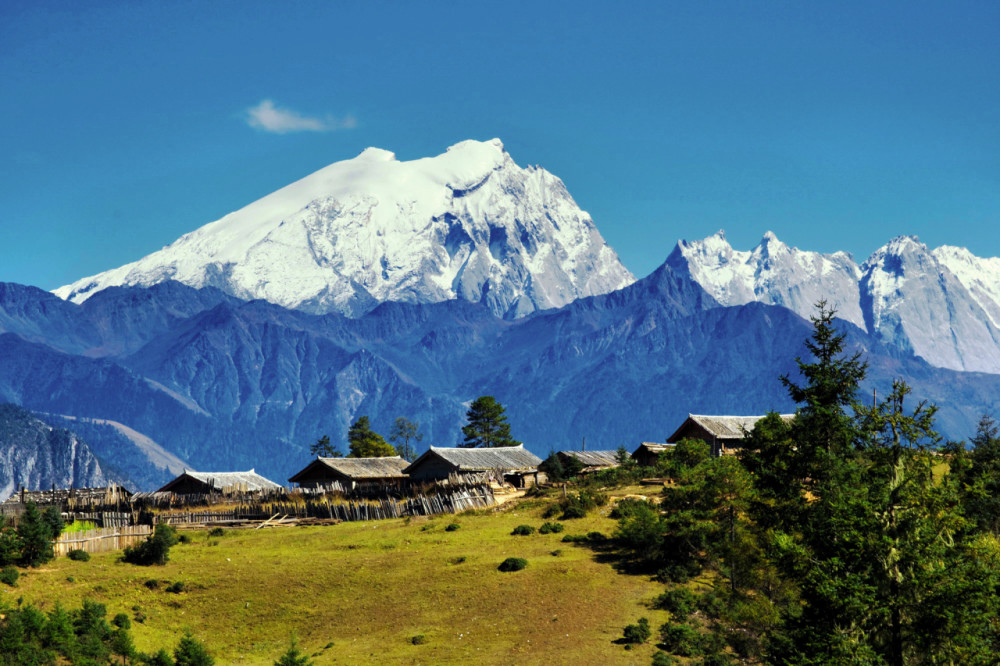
{"type": "Point", "coordinates": [369, 588]}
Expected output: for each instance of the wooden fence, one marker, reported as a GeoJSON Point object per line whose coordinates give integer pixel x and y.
{"type": "Point", "coordinates": [323, 508]}
{"type": "Point", "coordinates": [102, 539]}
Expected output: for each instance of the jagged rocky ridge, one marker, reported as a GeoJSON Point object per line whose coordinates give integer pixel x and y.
{"type": "Point", "coordinates": [34, 455]}
{"type": "Point", "coordinates": [941, 305]}
{"type": "Point", "coordinates": [469, 224]}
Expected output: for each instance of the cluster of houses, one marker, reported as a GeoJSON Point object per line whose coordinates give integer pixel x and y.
{"type": "Point", "coordinates": [513, 465]}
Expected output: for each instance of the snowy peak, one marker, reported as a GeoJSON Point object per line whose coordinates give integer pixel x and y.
{"type": "Point", "coordinates": [469, 223]}
{"type": "Point", "coordinates": [773, 273]}
{"type": "Point", "coordinates": [941, 305]}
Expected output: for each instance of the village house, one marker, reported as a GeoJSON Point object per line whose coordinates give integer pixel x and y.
{"type": "Point", "coordinates": [724, 434]}
{"type": "Point", "coordinates": [191, 482]}
{"type": "Point", "coordinates": [348, 472]}
{"type": "Point", "coordinates": [512, 464]}
{"type": "Point", "coordinates": [648, 453]}
{"type": "Point", "coordinates": [592, 461]}
{"type": "Point", "coordinates": [66, 499]}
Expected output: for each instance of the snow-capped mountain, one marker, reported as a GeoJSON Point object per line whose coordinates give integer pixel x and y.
{"type": "Point", "coordinates": [771, 273]}
{"type": "Point", "coordinates": [468, 224]}
{"type": "Point", "coordinates": [943, 306]}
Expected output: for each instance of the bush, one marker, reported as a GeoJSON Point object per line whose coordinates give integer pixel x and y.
{"type": "Point", "coordinates": [637, 633]}
{"type": "Point", "coordinates": [556, 553]}
{"type": "Point", "coordinates": [452, 527]}
{"type": "Point", "coordinates": [155, 549]}
{"type": "Point", "coordinates": [184, 538]}
{"type": "Point", "coordinates": [78, 555]}
{"type": "Point", "coordinates": [577, 505]}
{"type": "Point", "coordinates": [419, 639]}
{"type": "Point", "coordinates": [681, 639]}
{"type": "Point", "coordinates": [458, 560]}
{"type": "Point", "coordinates": [152, 584]}
{"type": "Point", "coordinates": [627, 507]}
{"type": "Point", "coordinates": [663, 659]}
{"type": "Point", "coordinates": [551, 511]}
{"type": "Point", "coordinates": [9, 576]}
{"type": "Point", "coordinates": [216, 532]}
{"type": "Point", "coordinates": [575, 538]}
{"type": "Point", "coordinates": [596, 537]}
{"type": "Point", "coordinates": [523, 530]}
{"type": "Point", "coordinates": [679, 601]}
{"type": "Point", "coordinates": [548, 528]}
{"type": "Point", "coordinates": [176, 587]}
{"type": "Point", "coordinates": [513, 564]}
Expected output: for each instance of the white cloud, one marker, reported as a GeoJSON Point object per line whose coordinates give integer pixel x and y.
{"type": "Point", "coordinates": [270, 118]}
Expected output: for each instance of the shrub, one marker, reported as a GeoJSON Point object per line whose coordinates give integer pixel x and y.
{"type": "Point", "coordinates": [523, 530]}
{"type": "Point", "coordinates": [458, 560]}
{"type": "Point", "coordinates": [216, 532]}
{"type": "Point", "coordinates": [152, 584]}
{"type": "Point", "coordinates": [70, 579]}
{"type": "Point", "coordinates": [551, 511]}
{"type": "Point", "coordinates": [513, 564]}
{"type": "Point", "coordinates": [121, 621]}
{"type": "Point", "coordinates": [596, 537]}
{"type": "Point", "coordinates": [556, 553]}
{"type": "Point", "coordinates": [681, 639]}
{"type": "Point", "coordinates": [627, 507]}
{"type": "Point", "coordinates": [9, 576]}
{"type": "Point", "coordinates": [78, 555]}
{"type": "Point", "coordinates": [573, 511]}
{"type": "Point", "coordinates": [637, 633]}
{"type": "Point", "coordinates": [679, 601]}
{"type": "Point", "coordinates": [155, 549]}
{"type": "Point", "coordinates": [575, 538]}
{"type": "Point", "coordinates": [663, 659]}
{"type": "Point", "coordinates": [294, 656]}
{"type": "Point", "coordinates": [419, 639]}
{"type": "Point", "coordinates": [184, 538]}
{"type": "Point", "coordinates": [548, 528]}
{"type": "Point", "coordinates": [176, 587]}
{"type": "Point", "coordinates": [452, 527]}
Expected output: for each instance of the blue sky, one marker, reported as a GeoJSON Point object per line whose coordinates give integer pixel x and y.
{"type": "Point", "coordinates": [837, 125]}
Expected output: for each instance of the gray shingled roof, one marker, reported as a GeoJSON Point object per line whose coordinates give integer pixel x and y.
{"type": "Point", "coordinates": [368, 468]}
{"type": "Point", "coordinates": [593, 458]}
{"type": "Point", "coordinates": [477, 460]}
{"type": "Point", "coordinates": [726, 427]}
{"type": "Point", "coordinates": [220, 480]}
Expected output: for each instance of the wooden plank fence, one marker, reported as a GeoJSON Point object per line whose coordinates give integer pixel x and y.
{"type": "Point", "coordinates": [376, 509]}
{"type": "Point", "coordinates": [102, 539]}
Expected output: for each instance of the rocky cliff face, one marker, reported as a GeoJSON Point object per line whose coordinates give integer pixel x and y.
{"type": "Point", "coordinates": [469, 224]}
{"type": "Point", "coordinates": [34, 455]}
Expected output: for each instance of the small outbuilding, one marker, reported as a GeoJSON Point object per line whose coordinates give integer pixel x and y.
{"type": "Point", "coordinates": [648, 453]}
{"type": "Point", "coordinates": [191, 482]}
{"type": "Point", "coordinates": [724, 434]}
{"type": "Point", "coordinates": [514, 464]}
{"type": "Point", "coordinates": [348, 472]}
{"type": "Point", "coordinates": [592, 461]}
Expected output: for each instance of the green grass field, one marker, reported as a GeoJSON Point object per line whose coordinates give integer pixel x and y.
{"type": "Point", "coordinates": [359, 592]}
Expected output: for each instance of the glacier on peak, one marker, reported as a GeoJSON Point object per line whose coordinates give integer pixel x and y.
{"type": "Point", "coordinates": [469, 223]}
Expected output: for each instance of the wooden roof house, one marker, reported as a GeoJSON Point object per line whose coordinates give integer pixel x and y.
{"type": "Point", "coordinates": [592, 461]}
{"type": "Point", "coordinates": [191, 482]}
{"type": "Point", "coordinates": [512, 464]}
{"type": "Point", "coordinates": [348, 472]}
{"type": "Point", "coordinates": [67, 499]}
{"type": "Point", "coordinates": [648, 453]}
{"type": "Point", "coordinates": [724, 434]}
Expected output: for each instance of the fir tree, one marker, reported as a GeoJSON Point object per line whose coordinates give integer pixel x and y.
{"type": "Point", "coordinates": [487, 425]}
{"type": "Point", "coordinates": [35, 537]}
{"type": "Point", "coordinates": [366, 443]}
{"type": "Point", "coordinates": [191, 652]}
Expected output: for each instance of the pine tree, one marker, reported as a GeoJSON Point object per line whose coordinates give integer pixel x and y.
{"type": "Point", "coordinates": [366, 443]}
{"type": "Point", "coordinates": [191, 652]}
{"type": "Point", "coordinates": [325, 449]}
{"type": "Point", "coordinates": [404, 430]}
{"type": "Point", "coordinates": [293, 657]}
{"type": "Point", "coordinates": [487, 425]}
{"type": "Point", "coordinates": [35, 537]}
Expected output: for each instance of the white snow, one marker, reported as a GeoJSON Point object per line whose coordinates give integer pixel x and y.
{"type": "Point", "coordinates": [466, 224]}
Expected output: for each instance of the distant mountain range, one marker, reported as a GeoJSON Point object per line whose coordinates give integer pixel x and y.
{"type": "Point", "coordinates": [411, 288]}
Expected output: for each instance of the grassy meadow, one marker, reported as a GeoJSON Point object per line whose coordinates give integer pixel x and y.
{"type": "Point", "coordinates": [360, 592]}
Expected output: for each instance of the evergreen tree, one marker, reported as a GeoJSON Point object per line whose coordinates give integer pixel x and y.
{"type": "Point", "coordinates": [191, 652]}
{"type": "Point", "coordinates": [293, 657]}
{"type": "Point", "coordinates": [10, 543]}
{"type": "Point", "coordinates": [35, 537]}
{"type": "Point", "coordinates": [366, 443]}
{"type": "Point", "coordinates": [981, 477]}
{"type": "Point", "coordinates": [487, 425]}
{"type": "Point", "coordinates": [403, 431]}
{"type": "Point", "coordinates": [53, 520]}
{"type": "Point", "coordinates": [325, 449]}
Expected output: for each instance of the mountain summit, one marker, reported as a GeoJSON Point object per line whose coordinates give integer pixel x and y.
{"type": "Point", "coordinates": [468, 224]}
